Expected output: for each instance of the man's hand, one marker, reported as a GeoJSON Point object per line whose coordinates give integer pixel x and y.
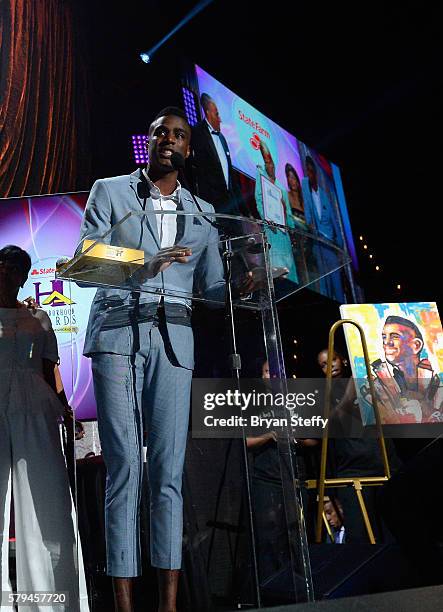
{"type": "Point", "coordinates": [30, 303]}
{"type": "Point", "coordinates": [255, 279]}
{"type": "Point", "coordinates": [279, 272]}
{"type": "Point", "coordinates": [253, 442]}
{"type": "Point", "coordinates": [73, 425]}
{"type": "Point", "coordinates": [161, 261]}
{"type": "Point", "coordinates": [410, 411]}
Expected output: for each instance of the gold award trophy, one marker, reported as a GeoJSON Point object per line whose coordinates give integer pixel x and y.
{"type": "Point", "coordinates": [103, 264]}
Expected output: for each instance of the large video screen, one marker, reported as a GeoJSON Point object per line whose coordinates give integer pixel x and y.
{"type": "Point", "coordinates": [245, 128]}
{"type": "Point", "coordinates": [306, 191]}
{"type": "Point", "coordinates": [48, 228]}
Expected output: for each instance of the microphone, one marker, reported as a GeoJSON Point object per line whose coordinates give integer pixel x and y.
{"type": "Point", "coordinates": [177, 161]}
{"type": "Point", "coordinates": [253, 246]}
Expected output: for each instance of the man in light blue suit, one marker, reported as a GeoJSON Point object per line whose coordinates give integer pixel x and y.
{"type": "Point", "coordinates": [141, 347]}
{"type": "Point", "coordinates": [319, 214]}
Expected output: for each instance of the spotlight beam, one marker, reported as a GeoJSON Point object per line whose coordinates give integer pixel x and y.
{"type": "Point", "coordinates": [146, 56]}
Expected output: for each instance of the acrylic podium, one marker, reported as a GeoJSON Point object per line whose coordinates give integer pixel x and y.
{"type": "Point", "coordinates": [237, 272]}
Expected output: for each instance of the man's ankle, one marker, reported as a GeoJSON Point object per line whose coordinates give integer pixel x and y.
{"type": "Point", "coordinates": [122, 594]}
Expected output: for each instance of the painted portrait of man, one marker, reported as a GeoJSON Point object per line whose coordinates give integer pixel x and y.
{"type": "Point", "coordinates": [408, 388]}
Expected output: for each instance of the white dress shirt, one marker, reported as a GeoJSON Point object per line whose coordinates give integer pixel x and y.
{"type": "Point", "coordinates": [339, 536]}
{"type": "Point", "coordinates": [317, 202]}
{"type": "Point", "coordinates": [220, 152]}
{"type": "Point", "coordinates": [166, 224]}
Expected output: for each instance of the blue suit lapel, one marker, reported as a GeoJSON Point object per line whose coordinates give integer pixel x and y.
{"type": "Point", "coordinates": [140, 188]}
{"type": "Point", "coordinates": [188, 206]}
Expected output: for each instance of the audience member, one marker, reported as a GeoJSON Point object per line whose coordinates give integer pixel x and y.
{"type": "Point", "coordinates": [334, 516]}
{"type": "Point", "coordinates": [32, 465]}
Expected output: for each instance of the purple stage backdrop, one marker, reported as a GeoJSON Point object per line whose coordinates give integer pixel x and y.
{"type": "Point", "coordinates": [48, 227]}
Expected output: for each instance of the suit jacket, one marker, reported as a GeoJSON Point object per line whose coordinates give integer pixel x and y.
{"type": "Point", "coordinates": [327, 225]}
{"type": "Point", "coordinates": [207, 173]}
{"type": "Point", "coordinates": [329, 541]}
{"type": "Point", "coordinates": [110, 200]}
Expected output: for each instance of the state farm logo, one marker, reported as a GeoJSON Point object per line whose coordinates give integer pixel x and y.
{"type": "Point", "coordinates": [36, 272]}
{"type": "Point", "coordinates": [56, 297]}
{"type": "Point", "coordinates": [255, 141]}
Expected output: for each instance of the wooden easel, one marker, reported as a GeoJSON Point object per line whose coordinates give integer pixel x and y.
{"type": "Point", "coordinates": [357, 482]}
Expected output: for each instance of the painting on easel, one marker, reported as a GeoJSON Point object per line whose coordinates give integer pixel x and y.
{"type": "Point", "coordinates": [405, 346]}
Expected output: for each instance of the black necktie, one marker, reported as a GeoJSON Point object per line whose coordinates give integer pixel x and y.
{"type": "Point", "coordinates": [400, 379]}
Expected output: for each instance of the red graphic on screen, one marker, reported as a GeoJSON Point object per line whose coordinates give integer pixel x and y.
{"type": "Point", "coordinates": [255, 141]}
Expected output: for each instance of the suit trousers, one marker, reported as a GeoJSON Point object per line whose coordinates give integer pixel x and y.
{"type": "Point", "coordinates": [144, 392]}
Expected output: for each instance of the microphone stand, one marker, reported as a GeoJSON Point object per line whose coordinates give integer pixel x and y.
{"type": "Point", "coordinates": [178, 162]}
{"type": "Point", "coordinates": [235, 366]}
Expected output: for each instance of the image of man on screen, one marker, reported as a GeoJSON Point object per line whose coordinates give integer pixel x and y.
{"type": "Point", "coordinates": [322, 217]}
{"type": "Point", "coordinates": [212, 173]}
{"type": "Point", "coordinates": [319, 210]}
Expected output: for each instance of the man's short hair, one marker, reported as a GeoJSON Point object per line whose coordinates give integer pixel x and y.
{"type": "Point", "coordinates": [205, 101]}
{"type": "Point", "coordinates": [395, 320]}
{"type": "Point", "coordinates": [310, 162]}
{"type": "Point", "coordinates": [171, 110]}
{"type": "Point", "coordinates": [18, 256]}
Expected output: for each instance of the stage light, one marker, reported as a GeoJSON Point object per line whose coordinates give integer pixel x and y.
{"type": "Point", "coordinates": [295, 356]}
{"type": "Point", "coordinates": [295, 341]}
{"type": "Point", "coordinates": [294, 376]}
{"type": "Point", "coordinates": [139, 149]}
{"type": "Point", "coordinates": [398, 286]}
{"type": "Point", "coordinates": [377, 268]}
{"type": "Point", "coordinates": [370, 256]}
{"type": "Point", "coordinates": [190, 106]}
{"type": "Point", "coordinates": [361, 237]}
{"type": "Point", "coordinates": [365, 246]}
{"type": "Point", "coordinates": [146, 56]}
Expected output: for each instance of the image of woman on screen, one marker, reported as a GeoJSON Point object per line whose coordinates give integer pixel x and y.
{"type": "Point", "coordinates": [302, 245]}
{"type": "Point", "coordinates": [294, 192]}
{"type": "Point", "coordinates": [273, 205]}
